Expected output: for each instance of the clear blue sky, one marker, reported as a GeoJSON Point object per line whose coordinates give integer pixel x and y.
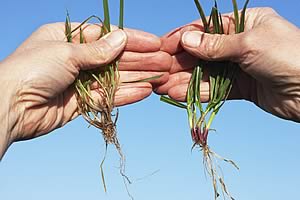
{"type": "Point", "coordinates": [154, 136]}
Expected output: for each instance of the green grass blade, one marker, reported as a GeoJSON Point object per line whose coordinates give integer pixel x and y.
{"type": "Point", "coordinates": [81, 36]}
{"type": "Point", "coordinates": [212, 82]}
{"type": "Point", "coordinates": [106, 15]}
{"type": "Point", "coordinates": [199, 75]}
{"type": "Point", "coordinates": [236, 16]}
{"type": "Point", "coordinates": [197, 84]}
{"type": "Point", "coordinates": [87, 20]}
{"type": "Point", "coordinates": [202, 15]}
{"type": "Point", "coordinates": [215, 20]}
{"type": "Point", "coordinates": [172, 102]}
{"type": "Point", "coordinates": [210, 19]}
{"type": "Point", "coordinates": [69, 34]}
{"type": "Point", "coordinates": [218, 19]}
{"type": "Point", "coordinates": [145, 79]}
{"type": "Point", "coordinates": [121, 17]}
{"type": "Point", "coordinates": [191, 89]}
{"type": "Point", "coordinates": [221, 23]}
{"type": "Point", "coordinates": [243, 14]}
{"type": "Point", "coordinates": [68, 28]}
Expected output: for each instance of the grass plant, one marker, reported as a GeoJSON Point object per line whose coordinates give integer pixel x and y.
{"type": "Point", "coordinates": [222, 75]}
{"type": "Point", "coordinates": [100, 112]}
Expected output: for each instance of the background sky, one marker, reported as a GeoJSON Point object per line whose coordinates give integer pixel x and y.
{"type": "Point", "coordinates": [155, 136]}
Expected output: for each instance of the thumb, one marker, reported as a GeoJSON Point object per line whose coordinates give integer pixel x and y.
{"type": "Point", "coordinates": [213, 47]}
{"type": "Point", "coordinates": [101, 52]}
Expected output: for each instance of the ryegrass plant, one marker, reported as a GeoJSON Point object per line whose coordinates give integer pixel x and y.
{"type": "Point", "coordinates": [221, 78]}
{"type": "Point", "coordinates": [100, 112]}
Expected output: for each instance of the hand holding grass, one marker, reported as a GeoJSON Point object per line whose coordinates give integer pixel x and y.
{"type": "Point", "coordinates": [37, 78]}
{"type": "Point", "coordinates": [267, 52]}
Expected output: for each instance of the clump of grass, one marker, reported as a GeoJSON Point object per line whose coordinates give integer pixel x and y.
{"type": "Point", "coordinates": [100, 112]}
{"type": "Point", "coordinates": [221, 78]}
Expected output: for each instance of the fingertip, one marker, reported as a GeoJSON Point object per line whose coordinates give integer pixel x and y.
{"type": "Point", "coordinates": [116, 39]}
{"type": "Point", "coordinates": [132, 93]}
{"type": "Point", "coordinates": [191, 39]}
{"type": "Point", "coordinates": [140, 41]}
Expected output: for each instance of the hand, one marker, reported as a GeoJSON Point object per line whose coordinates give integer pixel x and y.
{"type": "Point", "coordinates": [36, 80]}
{"type": "Point", "coordinates": [267, 52]}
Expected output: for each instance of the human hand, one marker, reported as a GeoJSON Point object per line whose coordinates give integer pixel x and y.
{"type": "Point", "coordinates": [36, 80]}
{"type": "Point", "coordinates": [267, 52]}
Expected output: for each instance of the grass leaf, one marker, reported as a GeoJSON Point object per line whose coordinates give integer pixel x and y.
{"type": "Point", "coordinates": [145, 79]}
{"type": "Point", "coordinates": [106, 15]}
{"type": "Point", "coordinates": [202, 15]}
{"type": "Point", "coordinates": [68, 28]}
{"type": "Point", "coordinates": [242, 23]}
{"type": "Point", "coordinates": [236, 16]}
{"type": "Point", "coordinates": [81, 36]}
{"type": "Point", "coordinates": [172, 102]}
{"type": "Point", "coordinates": [121, 16]}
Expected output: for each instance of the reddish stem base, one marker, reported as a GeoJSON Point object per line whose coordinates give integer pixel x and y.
{"type": "Point", "coordinates": [200, 136]}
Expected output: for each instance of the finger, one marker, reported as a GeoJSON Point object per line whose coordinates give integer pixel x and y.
{"type": "Point", "coordinates": [153, 61]}
{"type": "Point", "coordinates": [174, 80]}
{"type": "Point", "coordinates": [135, 76]}
{"type": "Point", "coordinates": [179, 92]}
{"type": "Point", "coordinates": [171, 41]}
{"type": "Point", "coordinates": [131, 93]}
{"type": "Point", "coordinates": [182, 62]}
{"type": "Point", "coordinates": [127, 93]}
{"type": "Point", "coordinates": [138, 41]}
{"type": "Point", "coordinates": [99, 53]}
{"type": "Point", "coordinates": [244, 87]}
{"type": "Point", "coordinates": [180, 78]}
{"type": "Point", "coordinates": [213, 47]}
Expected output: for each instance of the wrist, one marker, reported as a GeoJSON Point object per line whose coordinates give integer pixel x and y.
{"type": "Point", "coordinates": [8, 115]}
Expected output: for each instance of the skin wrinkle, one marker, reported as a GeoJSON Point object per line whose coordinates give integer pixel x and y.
{"type": "Point", "coordinates": [8, 121]}
{"type": "Point", "coordinates": [182, 61]}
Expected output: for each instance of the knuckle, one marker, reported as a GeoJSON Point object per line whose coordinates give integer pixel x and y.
{"type": "Point", "coordinates": [49, 26]}
{"type": "Point", "coordinates": [213, 46]}
{"type": "Point", "coordinates": [44, 27]}
{"type": "Point", "coordinates": [249, 48]}
{"type": "Point", "coordinates": [269, 10]}
{"type": "Point", "coordinates": [99, 53]}
{"type": "Point", "coordinates": [68, 53]}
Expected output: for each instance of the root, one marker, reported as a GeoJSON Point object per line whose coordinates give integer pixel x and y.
{"type": "Point", "coordinates": [212, 168]}
{"type": "Point", "coordinates": [102, 115]}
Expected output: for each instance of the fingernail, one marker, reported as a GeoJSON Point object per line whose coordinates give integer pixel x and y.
{"type": "Point", "coordinates": [192, 39]}
{"type": "Point", "coordinates": [116, 38]}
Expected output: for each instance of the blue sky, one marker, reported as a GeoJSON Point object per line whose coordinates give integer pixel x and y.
{"type": "Point", "coordinates": [154, 136]}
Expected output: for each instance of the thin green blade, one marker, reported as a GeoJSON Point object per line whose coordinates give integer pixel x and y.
{"type": "Point", "coordinates": [87, 20]}
{"type": "Point", "coordinates": [81, 36]}
{"type": "Point", "coordinates": [145, 79]}
{"type": "Point", "coordinates": [121, 17]}
{"type": "Point", "coordinates": [202, 15]}
{"type": "Point", "coordinates": [106, 15]}
{"type": "Point", "coordinates": [242, 23]}
{"type": "Point", "coordinates": [68, 28]}
{"type": "Point", "coordinates": [236, 16]}
{"type": "Point", "coordinates": [172, 102]}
